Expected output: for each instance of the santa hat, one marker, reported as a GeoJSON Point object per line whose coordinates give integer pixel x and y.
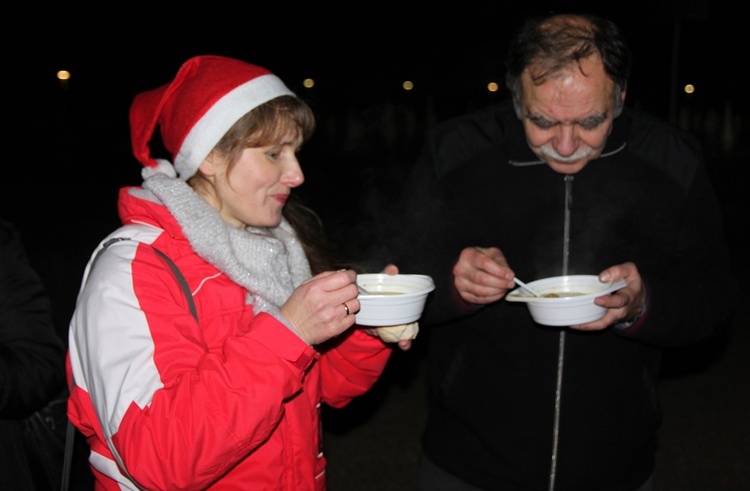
{"type": "Point", "coordinates": [207, 96]}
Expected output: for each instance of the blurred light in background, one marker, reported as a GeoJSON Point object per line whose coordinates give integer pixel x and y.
{"type": "Point", "coordinates": [407, 85]}
{"type": "Point", "coordinates": [308, 83]}
{"type": "Point", "coordinates": [689, 88]}
{"type": "Point", "coordinates": [63, 76]}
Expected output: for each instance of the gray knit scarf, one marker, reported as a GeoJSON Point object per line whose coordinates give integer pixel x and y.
{"type": "Point", "coordinates": [269, 262]}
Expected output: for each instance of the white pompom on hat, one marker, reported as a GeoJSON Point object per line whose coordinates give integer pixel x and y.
{"type": "Point", "coordinates": [207, 96]}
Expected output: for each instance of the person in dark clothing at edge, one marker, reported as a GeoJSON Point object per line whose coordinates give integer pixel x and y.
{"type": "Point", "coordinates": [563, 179]}
{"type": "Point", "coordinates": [32, 361]}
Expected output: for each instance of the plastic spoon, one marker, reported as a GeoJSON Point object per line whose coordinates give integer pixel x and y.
{"type": "Point", "coordinates": [526, 287]}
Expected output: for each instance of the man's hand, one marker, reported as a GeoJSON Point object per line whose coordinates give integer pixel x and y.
{"type": "Point", "coordinates": [482, 275]}
{"type": "Point", "coordinates": [625, 304]}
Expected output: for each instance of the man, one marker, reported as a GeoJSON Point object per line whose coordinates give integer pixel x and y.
{"type": "Point", "coordinates": [561, 180]}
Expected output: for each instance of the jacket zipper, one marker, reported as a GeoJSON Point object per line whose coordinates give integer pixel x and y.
{"type": "Point", "coordinates": [561, 343]}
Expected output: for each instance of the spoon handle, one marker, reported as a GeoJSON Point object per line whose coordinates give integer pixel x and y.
{"type": "Point", "coordinates": [526, 287]}
{"type": "Point", "coordinates": [361, 290]}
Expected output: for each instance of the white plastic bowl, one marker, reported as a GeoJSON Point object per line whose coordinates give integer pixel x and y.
{"type": "Point", "coordinates": [392, 299]}
{"type": "Point", "coordinates": [565, 300]}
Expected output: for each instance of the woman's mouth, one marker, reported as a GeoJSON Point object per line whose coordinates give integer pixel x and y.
{"type": "Point", "coordinates": [281, 198]}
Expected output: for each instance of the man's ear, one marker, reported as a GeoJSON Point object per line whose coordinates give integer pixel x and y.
{"type": "Point", "coordinates": [620, 103]}
{"type": "Point", "coordinates": [517, 108]}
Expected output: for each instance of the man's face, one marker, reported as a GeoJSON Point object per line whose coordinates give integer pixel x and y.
{"type": "Point", "coordinates": [568, 118]}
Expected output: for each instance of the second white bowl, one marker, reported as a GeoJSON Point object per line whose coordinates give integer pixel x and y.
{"type": "Point", "coordinates": [565, 300]}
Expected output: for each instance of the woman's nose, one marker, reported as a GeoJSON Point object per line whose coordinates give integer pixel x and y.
{"type": "Point", "coordinates": [293, 175]}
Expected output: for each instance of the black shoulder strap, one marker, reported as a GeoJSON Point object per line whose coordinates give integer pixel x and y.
{"type": "Point", "coordinates": [181, 280]}
{"type": "Point", "coordinates": [70, 434]}
{"type": "Point", "coordinates": [175, 270]}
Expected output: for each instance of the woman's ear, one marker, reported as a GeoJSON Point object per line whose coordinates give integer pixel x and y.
{"type": "Point", "coordinates": [208, 166]}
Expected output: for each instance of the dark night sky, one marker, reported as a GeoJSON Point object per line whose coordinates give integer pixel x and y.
{"type": "Point", "coordinates": [446, 45]}
{"type": "Point", "coordinates": [355, 52]}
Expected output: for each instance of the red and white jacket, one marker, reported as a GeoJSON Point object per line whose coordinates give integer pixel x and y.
{"type": "Point", "coordinates": [231, 401]}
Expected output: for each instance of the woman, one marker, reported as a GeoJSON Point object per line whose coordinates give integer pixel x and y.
{"type": "Point", "coordinates": [217, 385]}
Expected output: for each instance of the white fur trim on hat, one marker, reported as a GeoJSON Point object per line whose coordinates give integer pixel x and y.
{"type": "Point", "coordinates": [207, 132]}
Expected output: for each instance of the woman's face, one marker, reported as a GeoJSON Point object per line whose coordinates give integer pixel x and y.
{"type": "Point", "coordinates": [256, 189]}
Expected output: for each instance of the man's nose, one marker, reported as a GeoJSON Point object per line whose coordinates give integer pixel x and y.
{"type": "Point", "coordinates": [566, 142]}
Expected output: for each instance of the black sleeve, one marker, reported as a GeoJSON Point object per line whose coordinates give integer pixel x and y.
{"type": "Point", "coordinates": [698, 293]}
{"type": "Point", "coordinates": [31, 353]}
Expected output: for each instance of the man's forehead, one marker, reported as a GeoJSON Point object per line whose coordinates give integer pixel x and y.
{"type": "Point", "coordinates": [570, 96]}
{"type": "Point", "coordinates": [543, 71]}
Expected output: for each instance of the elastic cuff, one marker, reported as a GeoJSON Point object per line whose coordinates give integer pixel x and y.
{"type": "Point", "coordinates": [460, 302]}
{"type": "Point", "coordinates": [631, 325]}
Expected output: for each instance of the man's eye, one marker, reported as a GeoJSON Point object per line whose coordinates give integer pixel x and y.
{"type": "Point", "coordinates": [590, 125]}
{"type": "Point", "coordinates": [544, 124]}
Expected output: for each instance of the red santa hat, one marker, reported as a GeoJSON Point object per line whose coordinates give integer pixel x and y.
{"type": "Point", "coordinates": [207, 96]}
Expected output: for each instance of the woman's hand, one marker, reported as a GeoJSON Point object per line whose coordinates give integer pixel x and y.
{"type": "Point", "coordinates": [403, 344]}
{"type": "Point", "coordinates": [323, 306]}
